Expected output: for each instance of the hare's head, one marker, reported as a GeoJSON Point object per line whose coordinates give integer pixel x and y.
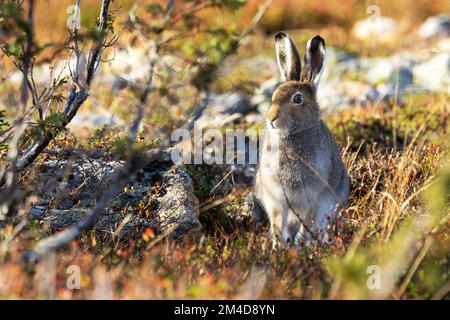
{"type": "Point", "coordinates": [294, 107]}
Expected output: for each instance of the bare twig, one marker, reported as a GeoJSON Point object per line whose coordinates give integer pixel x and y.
{"type": "Point", "coordinates": [10, 176]}
{"type": "Point", "coordinates": [442, 292]}
{"type": "Point", "coordinates": [413, 268]}
{"type": "Point", "coordinates": [144, 96]}
{"type": "Point", "coordinates": [258, 16]}
{"type": "Point", "coordinates": [427, 242]}
{"type": "Point", "coordinates": [95, 54]}
{"type": "Point", "coordinates": [76, 48]}
{"type": "Point", "coordinates": [76, 96]}
{"type": "Point", "coordinates": [27, 56]}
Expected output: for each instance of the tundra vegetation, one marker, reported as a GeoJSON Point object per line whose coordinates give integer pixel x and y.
{"type": "Point", "coordinates": [92, 206]}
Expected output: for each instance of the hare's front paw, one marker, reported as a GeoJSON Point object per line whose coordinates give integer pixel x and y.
{"type": "Point", "coordinates": [275, 243]}
{"type": "Point", "coordinates": [278, 244]}
{"type": "Point", "coordinates": [280, 240]}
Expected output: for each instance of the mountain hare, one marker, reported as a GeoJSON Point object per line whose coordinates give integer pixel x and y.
{"type": "Point", "coordinates": [301, 178]}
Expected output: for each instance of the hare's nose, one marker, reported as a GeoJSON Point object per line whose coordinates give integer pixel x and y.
{"type": "Point", "coordinates": [272, 114]}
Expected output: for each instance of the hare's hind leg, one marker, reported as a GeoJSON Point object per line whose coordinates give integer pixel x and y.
{"type": "Point", "coordinates": [257, 211]}
{"type": "Point", "coordinates": [325, 214]}
{"type": "Point", "coordinates": [278, 220]}
{"type": "Point", "coordinates": [303, 236]}
{"type": "Point", "coordinates": [267, 198]}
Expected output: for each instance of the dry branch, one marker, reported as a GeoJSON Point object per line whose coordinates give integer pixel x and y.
{"type": "Point", "coordinates": [77, 95]}
{"type": "Point", "coordinates": [8, 176]}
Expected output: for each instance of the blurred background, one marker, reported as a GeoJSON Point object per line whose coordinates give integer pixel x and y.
{"type": "Point", "coordinates": [396, 43]}
{"type": "Point", "coordinates": [401, 42]}
{"type": "Point", "coordinates": [337, 16]}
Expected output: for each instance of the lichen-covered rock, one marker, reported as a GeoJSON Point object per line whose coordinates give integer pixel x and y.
{"type": "Point", "coordinates": [65, 183]}
{"type": "Point", "coordinates": [161, 196]}
{"type": "Point", "coordinates": [177, 205]}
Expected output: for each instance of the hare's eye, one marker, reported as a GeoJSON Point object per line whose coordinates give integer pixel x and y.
{"type": "Point", "coordinates": [297, 98]}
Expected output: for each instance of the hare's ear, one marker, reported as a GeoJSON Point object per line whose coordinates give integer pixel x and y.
{"type": "Point", "coordinates": [314, 61]}
{"type": "Point", "coordinates": [287, 56]}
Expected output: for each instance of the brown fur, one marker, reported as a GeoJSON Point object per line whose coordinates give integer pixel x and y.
{"type": "Point", "coordinates": [301, 177]}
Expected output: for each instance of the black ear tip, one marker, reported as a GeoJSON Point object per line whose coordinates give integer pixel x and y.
{"type": "Point", "coordinates": [280, 35]}
{"type": "Point", "coordinates": [317, 41]}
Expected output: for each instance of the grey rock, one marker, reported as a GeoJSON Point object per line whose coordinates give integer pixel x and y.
{"type": "Point", "coordinates": [335, 60]}
{"type": "Point", "coordinates": [261, 65]}
{"type": "Point", "coordinates": [268, 87]}
{"type": "Point", "coordinates": [349, 66]}
{"type": "Point", "coordinates": [338, 94]}
{"type": "Point", "coordinates": [386, 71]}
{"type": "Point", "coordinates": [384, 93]}
{"type": "Point", "coordinates": [223, 109]}
{"type": "Point", "coordinates": [263, 95]}
{"type": "Point", "coordinates": [68, 189]}
{"type": "Point", "coordinates": [230, 103]}
{"type": "Point", "coordinates": [58, 219]}
{"type": "Point", "coordinates": [373, 94]}
{"type": "Point", "coordinates": [95, 120]}
{"type": "Point", "coordinates": [434, 74]}
{"type": "Point", "coordinates": [329, 96]}
{"type": "Point", "coordinates": [435, 26]}
{"type": "Point", "coordinates": [126, 62]}
{"type": "Point", "coordinates": [66, 181]}
{"type": "Point", "coordinates": [178, 206]}
{"type": "Point", "coordinates": [335, 56]}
